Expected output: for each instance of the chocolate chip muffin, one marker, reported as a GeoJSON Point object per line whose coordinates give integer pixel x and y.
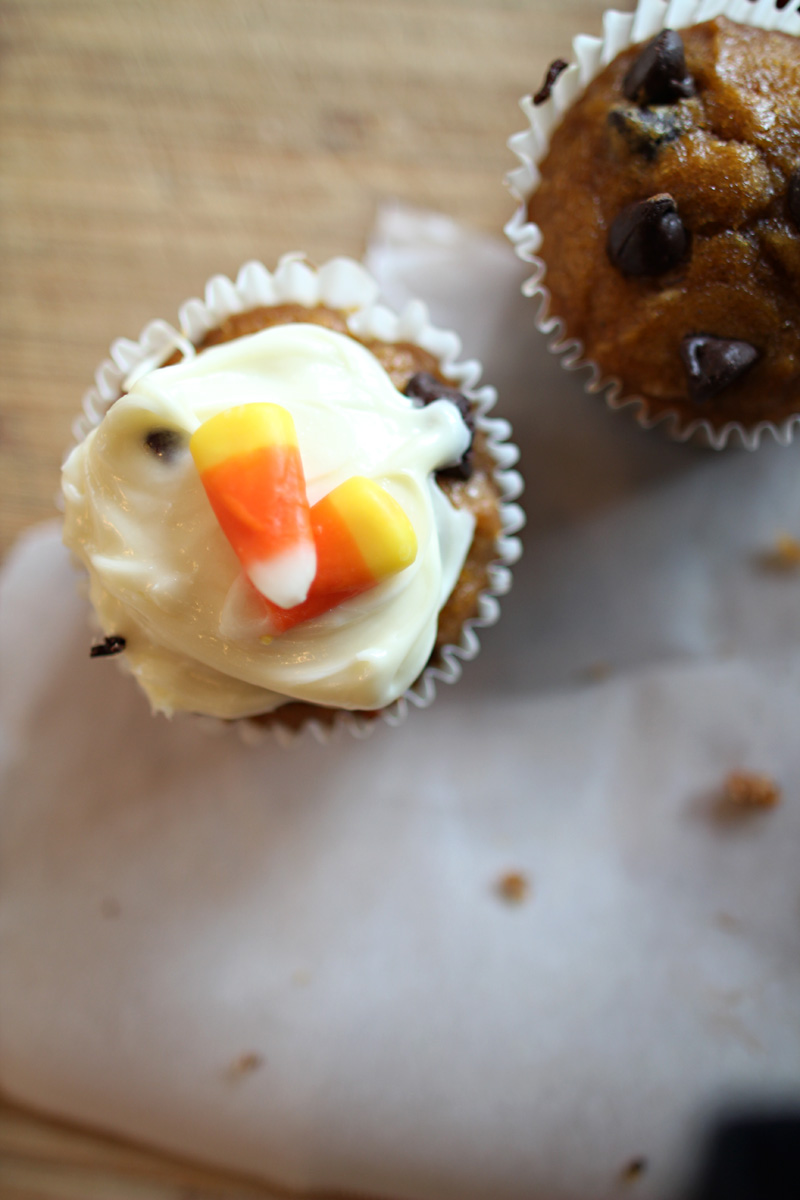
{"type": "Point", "coordinates": [669, 207]}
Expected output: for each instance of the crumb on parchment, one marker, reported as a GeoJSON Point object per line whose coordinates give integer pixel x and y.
{"type": "Point", "coordinates": [596, 672]}
{"type": "Point", "coordinates": [728, 922]}
{"type": "Point", "coordinates": [750, 790]}
{"type": "Point", "coordinates": [244, 1065]}
{"type": "Point", "coordinates": [784, 554]}
{"type": "Point", "coordinates": [633, 1170]}
{"type": "Point", "coordinates": [513, 887]}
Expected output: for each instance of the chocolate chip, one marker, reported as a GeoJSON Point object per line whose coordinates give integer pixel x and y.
{"type": "Point", "coordinates": [425, 388]}
{"type": "Point", "coordinates": [714, 363]}
{"type": "Point", "coordinates": [648, 238]}
{"type": "Point", "coordinates": [461, 470]}
{"type": "Point", "coordinates": [658, 75]}
{"type": "Point", "coordinates": [109, 645]}
{"type": "Point", "coordinates": [793, 196]}
{"type": "Point", "coordinates": [165, 443]}
{"type": "Point", "coordinates": [553, 71]}
{"type": "Point", "coordinates": [646, 130]}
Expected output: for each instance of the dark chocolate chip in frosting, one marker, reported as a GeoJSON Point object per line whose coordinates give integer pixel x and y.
{"type": "Point", "coordinates": [658, 75]}
{"type": "Point", "coordinates": [424, 388]}
{"type": "Point", "coordinates": [793, 196]}
{"type": "Point", "coordinates": [461, 470]}
{"type": "Point", "coordinates": [109, 645]}
{"type": "Point", "coordinates": [714, 363]}
{"type": "Point", "coordinates": [165, 443]}
{"type": "Point", "coordinates": [553, 71]}
{"type": "Point", "coordinates": [648, 238]}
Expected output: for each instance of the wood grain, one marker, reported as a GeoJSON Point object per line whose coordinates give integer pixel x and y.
{"type": "Point", "coordinates": [43, 1160]}
{"type": "Point", "coordinates": [146, 145]}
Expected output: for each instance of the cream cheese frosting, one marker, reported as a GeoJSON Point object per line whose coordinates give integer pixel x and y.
{"type": "Point", "coordinates": [163, 575]}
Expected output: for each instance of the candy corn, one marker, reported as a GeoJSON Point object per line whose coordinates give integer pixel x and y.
{"type": "Point", "coordinates": [249, 464]}
{"type": "Point", "coordinates": [362, 536]}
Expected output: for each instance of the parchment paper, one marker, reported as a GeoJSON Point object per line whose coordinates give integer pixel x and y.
{"type": "Point", "coordinates": [297, 963]}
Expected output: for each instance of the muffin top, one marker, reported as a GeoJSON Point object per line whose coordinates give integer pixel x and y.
{"type": "Point", "coordinates": [167, 577]}
{"type": "Point", "coordinates": [669, 206]}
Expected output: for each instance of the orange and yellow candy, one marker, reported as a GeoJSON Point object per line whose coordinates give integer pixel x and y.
{"type": "Point", "coordinates": [302, 561]}
{"type": "Point", "coordinates": [249, 463]}
{"type": "Point", "coordinates": [362, 536]}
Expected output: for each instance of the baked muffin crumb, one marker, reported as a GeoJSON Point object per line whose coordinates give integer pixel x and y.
{"type": "Point", "coordinates": [668, 206]}
{"type": "Point", "coordinates": [633, 1170]}
{"type": "Point", "coordinates": [513, 887]}
{"type": "Point", "coordinates": [750, 791]}
{"type": "Point", "coordinates": [784, 555]}
{"type": "Point", "coordinates": [245, 1065]}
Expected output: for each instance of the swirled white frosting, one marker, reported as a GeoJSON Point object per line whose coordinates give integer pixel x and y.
{"type": "Point", "coordinates": [163, 575]}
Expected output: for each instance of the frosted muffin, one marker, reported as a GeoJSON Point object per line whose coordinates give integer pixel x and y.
{"type": "Point", "coordinates": [666, 207]}
{"type": "Point", "coordinates": [380, 421]}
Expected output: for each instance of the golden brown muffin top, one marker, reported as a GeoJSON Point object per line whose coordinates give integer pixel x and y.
{"type": "Point", "coordinates": [671, 221]}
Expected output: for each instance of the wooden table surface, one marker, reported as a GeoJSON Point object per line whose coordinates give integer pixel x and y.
{"type": "Point", "coordinates": [148, 144]}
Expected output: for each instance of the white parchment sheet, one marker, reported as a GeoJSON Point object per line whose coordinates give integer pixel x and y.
{"type": "Point", "coordinates": [296, 963]}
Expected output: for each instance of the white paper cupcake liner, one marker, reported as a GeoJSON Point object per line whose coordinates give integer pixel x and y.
{"type": "Point", "coordinates": [345, 285]}
{"type": "Point", "coordinates": [591, 55]}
